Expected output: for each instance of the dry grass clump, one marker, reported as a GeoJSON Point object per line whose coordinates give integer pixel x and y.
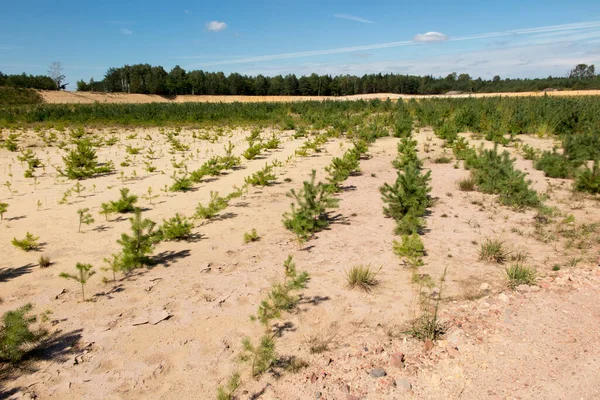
{"type": "Point", "coordinates": [362, 277]}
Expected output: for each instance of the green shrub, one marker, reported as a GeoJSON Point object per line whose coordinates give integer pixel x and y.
{"type": "Point", "coordinates": [361, 277]}
{"type": "Point", "coordinates": [28, 243]}
{"type": "Point", "coordinates": [466, 184]}
{"type": "Point", "coordinates": [16, 336]}
{"type": "Point", "coordinates": [251, 236]}
{"type": "Point", "coordinates": [230, 161]}
{"type": "Point", "coordinates": [519, 274]}
{"type": "Point", "coordinates": [529, 153]}
{"type": "Point", "coordinates": [493, 250]}
{"type": "Point", "coordinates": [215, 205]}
{"type": "Point", "coordinates": [44, 261]}
{"type": "Point", "coordinates": [308, 215]}
{"type": "Point", "coordinates": [252, 151]}
{"type": "Point", "coordinates": [264, 177]}
{"type": "Point", "coordinates": [495, 174]}
{"type": "Point", "coordinates": [589, 179]}
{"type": "Point", "coordinates": [260, 357]}
{"type": "Point", "coordinates": [582, 146]}
{"type": "Point", "coordinates": [176, 228]}
{"type": "Point", "coordinates": [82, 162]}
{"type": "Point", "coordinates": [556, 165]}
{"type": "Point", "coordinates": [443, 159]}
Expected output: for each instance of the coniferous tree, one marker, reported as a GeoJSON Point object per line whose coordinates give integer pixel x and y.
{"type": "Point", "coordinates": [140, 244]}
{"type": "Point", "coordinates": [84, 272]}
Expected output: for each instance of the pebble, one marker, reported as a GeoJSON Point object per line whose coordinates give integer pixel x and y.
{"type": "Point", "coordinates": [485, 287]}
{"type": "Point", "coordinates": [403, 384]}
{"type": "Point", "coordinates": [377, 372]}
{"type": "Point", "coordinates": [318, 395]}
{"type": "Point", "coordinates": [398, 360]}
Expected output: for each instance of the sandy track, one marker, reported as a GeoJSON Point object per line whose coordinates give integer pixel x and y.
{"type": "Point", "coordinates": [53, 97]}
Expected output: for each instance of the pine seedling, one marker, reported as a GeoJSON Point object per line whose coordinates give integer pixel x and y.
{"type": "Point", "coordinates": [65, 198]}
{"type": "Point", "coordinates": [78, 188]}
{"type": "Point", "coordinates": [28, 243]}
{"type": "Point", "coordinates": [39, 205]}
{"type": "Point", "coordinates": [149, 196]}
{"type": "Point", "coordinates": [281, 298]}
{"type": "Point", "coordinates": [9, 187]}
{"type": "Point", "coordinates": [125, 204]}
{"type": "Point", "coordinates": [215, 205]}
{"type": "Point", "coordinates": [176, 228]}
{"type": "Point", "coordinates": [106, 210]}
{"type": "Point", "coordinates": [251, 236]}
{"type": "Point", "coordinates": [308, 215]}
{"type": "Point", "coordinates": [84, 217]}
{"type": "Point", "coordinates": [84, 272]}
{"type": "Point", "coordinates": [82, 162]}
{"type": "Point", "coordinates": [114, 264]}
{"type": "Point", "coordinates": [140, 244]}
{"type": "Point", "coordinates": [16, 336]}
{"type": "Point", "coordinates": [264, 177]}
{"type": "Point", "coordinates": [226, 392]}
{"type": "Point", "coordinates": [181, 183]}
{"type": "Point", "coordinates": [260, 357]}
{"type": "Point", "coordinates": [3, 209]}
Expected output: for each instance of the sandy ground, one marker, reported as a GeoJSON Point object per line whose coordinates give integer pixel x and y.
{"type": "Point", "coordinates": [174, 331]}
{"type": "Point", "coordinates": [54, 97]}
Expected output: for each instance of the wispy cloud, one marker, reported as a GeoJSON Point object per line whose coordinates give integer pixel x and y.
{"type": "Point", "coordinates": [125, 31]}
{"type": "Point", "coordinates": [430, 37]}
{"type": "Point", "coordinates": [215, 26]}
{"type": "Point", "coordinates": [353, 18]}
{"type": "Point", "coordinates": [528, 31]}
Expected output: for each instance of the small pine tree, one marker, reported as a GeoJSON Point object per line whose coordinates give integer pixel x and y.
{"type": "Point", "coordinates": [140, 244]}
{"type": "Point", "coordinates": [114, 264]}
{"type": "Point", "coordinates": [78, 188]}
{"type": "Point", "coordinates": [176, 228]}
{"type": "Point", "coordinates": [226, 392]}
{"type": "Point", "coordinates": [260, 357]}
{"type": "Point", "coordinates": [149, 196]}
{"type": "Point", "coordinates": [84, 272]}
{"type": "Point", "coordinates": [29, 243]}
{"type": "Point", "coordinates": [309, 214]}
{"type": "Point", "coordinates": [82, 162]}
{"type": "Point", "coordinates": [124, 204]}
{"type": "Point", "coordinates": [16, 335]}
{"type": "Point", "coordinates": [84, 217]}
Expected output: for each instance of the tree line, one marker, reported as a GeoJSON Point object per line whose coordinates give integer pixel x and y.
{"type": "Point", "coordinates": [147, 79]}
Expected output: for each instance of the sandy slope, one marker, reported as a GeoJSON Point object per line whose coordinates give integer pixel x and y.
{"type": "Point", "coordinates": [119, 346]}
{"type": "Point", "coordinates": [88, 97]}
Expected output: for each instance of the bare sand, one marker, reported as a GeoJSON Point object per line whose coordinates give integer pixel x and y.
{"type": "Point", "coordinates": [54, 97]}
{"type": "Point", "coordinates": [174, 331]}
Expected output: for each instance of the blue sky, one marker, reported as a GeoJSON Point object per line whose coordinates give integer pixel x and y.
{"type": "Point", "coordinates": [525, 38]}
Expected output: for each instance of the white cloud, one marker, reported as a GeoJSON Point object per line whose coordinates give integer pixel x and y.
{"type": "Point", "coordinates": [430, 37]}
{"type": "Point", "coordinates": [126, 31]}
{"type": "Point", "coordinates": [215, 26]}
{"type": "Point", "coordinates": [353, 18]}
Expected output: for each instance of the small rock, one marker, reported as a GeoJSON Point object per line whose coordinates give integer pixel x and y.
{"type": "Point", "coordinates": [318, 395]}
{"type": "Point", "coordinates": [313, 378]}
{"type": "Point", "coordinates": [523, 288]}
{"type": "Point", "coordinates": [403, 384]}
{"type": "Point", "coordinates": [428, 344]}
{"type": "Point", "coordinates": [485, 287]}
{"type": "Point", "coordinates": [377, 372]}
{"type": "Point", "coordinates": [398, 360]}
{"type": "Point", "coordinates": [502, 297]}
{"type": "Point", "coordinates": [345, 388]}
{"type": "Point", "coordinates": [352, 397]}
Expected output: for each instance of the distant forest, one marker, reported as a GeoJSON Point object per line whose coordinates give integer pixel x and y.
{"type": "Point", "coordinates": [147, 79]}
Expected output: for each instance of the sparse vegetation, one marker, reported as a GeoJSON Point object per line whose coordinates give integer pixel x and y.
{"type": "Point", "coordinates": [493, 250]}
{"type": "Point", "coordinates": [362, 277]}
{"type": "Point", "coordinates": [251, 236]}
{"type": "Point", "coordinates": [176, 228]}
{"type": "Point", "coordinates": [137, 247]}
{"type": "Point", "coordinates": [519, 274]}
